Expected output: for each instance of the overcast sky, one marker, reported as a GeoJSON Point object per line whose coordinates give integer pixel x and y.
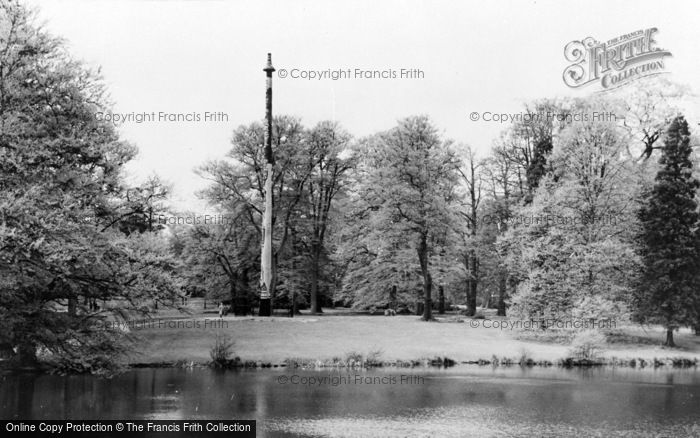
{"type": "Point", "coordinates": [197, 56]}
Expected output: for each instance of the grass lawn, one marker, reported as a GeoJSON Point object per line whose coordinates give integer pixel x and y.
{"type": "Point", "coordinates": [338, 333]}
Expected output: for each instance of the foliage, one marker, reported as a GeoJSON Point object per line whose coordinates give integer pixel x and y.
{"type": "Point", "coordinates": [222, 351]}
{"type": "Point", "coordinates": [556, 222]}
{"type": "Point", "coordinates": [575, 242]}
{"type": "Point", "coordinates": [646, 109]}
{"type": "Point", "coordinates": [310, 165]}
{"type": "Point", "coordinates": [403, 206]}
{"type": "Point", "coordinates": [59, 179]}
{"type": "Point", "coordinates": [326, 148]}
{"type": "Point", "coordinates": [669, 244]}
{"type": "Point", "coordinates": [220, 258]}
{"type": "Point", "coordinates": [587, 345]}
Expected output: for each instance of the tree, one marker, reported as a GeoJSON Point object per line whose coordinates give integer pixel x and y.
{"type": "Point", "coordinates": [646, 108]}
{"type": "Point", "coordinates": [529, 141]}
{"type": "Point", "coordinates": [326, 143]}
{"type": "Point", "coordinates": [409, 174]}
{"type": "Point", "coordinates": [59, 172]}
{"type": "Point", "coordinates": [571, 247]}
{"type": "Point", "coordinates": [538, 166]}
{"type": "Point", "coordinates": [238, 183]}
{"type": "Point", "coordinates": [669, 245]}
{"type": "Point", "coordinates": [471, 178]}
{"type": "Point", "coordinates": [221, 258]}
{"type": "Point", "coordinates": [504, 192]}
{"type": "Point", "coordinates": [141, 209]}
{"type": "Point", "coordinates": [381, 268]}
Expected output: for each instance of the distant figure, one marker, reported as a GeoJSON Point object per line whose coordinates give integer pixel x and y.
{"type": "Point", "coordinates": [390, 312]}
{"type": "Point", "coordinates": [221, 309]}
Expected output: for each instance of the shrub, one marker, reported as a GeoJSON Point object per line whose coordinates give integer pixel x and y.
{"type": "Point", "coordinates": [525, 357]}
{"type": "Point", "coordinates": [222, 351]}
{"type": "Point", "coordinates": [353, 358]}
{"type": "Point", "coordinates": [374, 358]}
{"type": "Point", "coordinates": [587, 345]}
{"type": "Point", "coordinates": [102, 365]}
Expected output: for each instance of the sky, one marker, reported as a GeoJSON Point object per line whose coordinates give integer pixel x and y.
{"type": "Point", "coordinates": [193, 57]}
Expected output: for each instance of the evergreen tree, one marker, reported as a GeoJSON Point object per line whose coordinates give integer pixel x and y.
{"type": "Point", "coordinates": [538, 166]}
{"type": "Point", "coordinates": [669, 244]}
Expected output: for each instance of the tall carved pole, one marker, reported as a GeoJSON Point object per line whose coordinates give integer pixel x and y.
{"type": "Point", "coordinates": [266, 256]}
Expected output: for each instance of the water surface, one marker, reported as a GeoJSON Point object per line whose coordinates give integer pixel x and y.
{"type": "Point", "coordinates": [457, 402]}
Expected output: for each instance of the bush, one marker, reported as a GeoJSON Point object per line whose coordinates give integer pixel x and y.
{"type": "Point", "coordinates": [587, 345]}
{"type": "Point", "coordinates": [102, 365]}
{"type": "Point", "coordinates": [353, 358]}
{"type": "Point", "coordinates": [554, 336]}
{"type": "Point", "coordinates": [374, 358]}
{"type": "Point", "coordinates": [222, 351]}
{"type": "Point", "coordinates": [525, 357]}
{"type": "Point", "coordinates": [601, 309]}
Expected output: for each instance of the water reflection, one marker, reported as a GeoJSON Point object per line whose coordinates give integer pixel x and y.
{"type": "Point", "coordinates": [458, 402]}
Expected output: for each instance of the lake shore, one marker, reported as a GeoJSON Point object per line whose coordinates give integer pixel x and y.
{"type": "Point", "coordinates": [174, 337]}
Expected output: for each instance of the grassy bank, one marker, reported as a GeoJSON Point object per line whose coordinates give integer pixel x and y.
{"type": "Point", "coordinates": [188, 338]}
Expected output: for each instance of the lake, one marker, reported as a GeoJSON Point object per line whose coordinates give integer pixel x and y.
{"type": "Point", "coordinates": [462, 401]}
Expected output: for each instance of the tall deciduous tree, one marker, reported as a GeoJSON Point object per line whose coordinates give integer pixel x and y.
{"type": "Point", "coordinates": [471, 179]}
{"type": "Point", "coordinates": [326, 147]}
{"type": "Point", "coordinates": [221, 257]}
{"type": "Point", "coordinates": [238, 184]}
{"type": "Point", "coordinates": [409, 182]}
{"type": "Point", "coordinates": [504, 192]}
{"type": "Point", "coordinates": [645, 110]}
{"type": "Point", "coordinates": [571, 247]}
{"type": "Point", "coordinates": [669, 242]}
{"type": "Point", "coordinates": [60, 165]}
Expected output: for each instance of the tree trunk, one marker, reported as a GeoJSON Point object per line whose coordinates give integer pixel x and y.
{"type": "Point", "coordinates": [472, 298]}
{"type": "Point", "coordinates": [244, 294]}
{"type": "Point", "coordinates": [315, 305]}
{"type": "Point", "coordinates": [502, 290]}
{"type": "Point", "coordinates": [419, 308]}
{"type": "Point", "coordinates": [293, 307]}
{"type": "Point", "coordinates": [427, 278]}
{"type": "Point", "coordinates": [467, 290]}
{"type": "Point", "coordinates": [427, 291]}
{"type": "Point", "coordinates": [472, 284]}
{"type": "Point", "coordinates": [232, 291]}
{"type": "Point", "coordinates": [314, 291]}
{"type": "Point", "coordinates": [669, 338]}
{"type": "Point", "coordinates": [697, 329]}
{"type": "Point", "coordinates": [475, 282]}
{"type": "Point", "coordinates": [441, 298]}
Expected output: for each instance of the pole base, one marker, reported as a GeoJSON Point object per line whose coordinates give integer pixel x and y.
{"type": "Point", "coordinates": [265, 307]}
